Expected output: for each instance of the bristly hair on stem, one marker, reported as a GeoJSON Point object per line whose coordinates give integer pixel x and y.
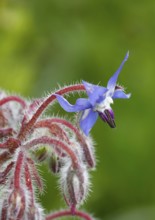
{"type": "Point", "coordinates": [28, 137]}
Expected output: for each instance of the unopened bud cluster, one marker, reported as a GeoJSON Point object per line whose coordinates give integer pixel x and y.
{"type": "Point", "coordinates": [29, 137]}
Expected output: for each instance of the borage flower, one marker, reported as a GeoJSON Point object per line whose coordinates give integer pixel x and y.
{"type": "Point", "coordinates": [98, 102]}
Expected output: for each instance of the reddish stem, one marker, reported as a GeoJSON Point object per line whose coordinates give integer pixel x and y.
{"type": "Point", "coordinates": [43, 106]}
{"type": "Point", "coordinates": [4, 210]}
{"type": "Point", "coordinates": [4, 145]}
{"type": "Point", "coordinates": [11, 143]}
{"type": "Point", "coordinates": [18, 169]}
{"type": "Point", "coordinates": [57, 143]}
{"type": "Point", "coordinates": [59, 121]}
{"type": "Point", "coordinates": [5, 132]}
{"type": "Point", "coordinates": [35, 174]}
{"type": "Point", "coordinates": [80, 137]}
{"type": "Point", "coordinates": [4, 156]}
{"type": "Point", "coordinates": [28, 181]}
{"type": "Point", "coordinates": [68, 213]}
{"type": "Point", "coordinates": [13, 99]}
{"type": "Point", "coordinates": [5, 172]}
{"type": "Point", "coordinates": [53, 128]}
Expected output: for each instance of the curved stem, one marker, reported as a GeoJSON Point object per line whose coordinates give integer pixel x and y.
{"type": "Point", "coordinates": [64, 213]}
{"type": "Point", "coordinates": [57, 143]}
{"type": "Point", "coordinates": [6, 132]}
{"type": "Point", "coordinates": [54, 129]}
{"type": "Point", "coordinates": [87, 153]}
{"type": "Point", "coordinates": [13, 99]}
{"type": "Point", "coordinates": [43, 106]}
{"type": "Point", "coordinates": [11, 143]}
{"type": "Point", "coordinates": [4, 173]}
{"type": "Point", "coordinates": [58, 121]}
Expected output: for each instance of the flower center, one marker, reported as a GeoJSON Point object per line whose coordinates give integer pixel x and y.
{"type": "Point", "coordinates": [105, 104]}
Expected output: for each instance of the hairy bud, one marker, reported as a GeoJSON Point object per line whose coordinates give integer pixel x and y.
{"type": "Point", "coordinates": [35, 212]}
{"type": "Point", "coordinates": [74, 185]}
{"type": "Point", "coordinates": [16, 204]}
{"type": "Point", "coordinates": [40, 154]}
{"type": "Point", "coordinates": [55, 164]}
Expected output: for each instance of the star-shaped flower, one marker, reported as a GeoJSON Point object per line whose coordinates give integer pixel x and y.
{"type": "Point", "coordinates": [98, 102]}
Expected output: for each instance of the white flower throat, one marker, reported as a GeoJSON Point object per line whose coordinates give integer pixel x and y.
{"type": "Point", "coordinates": [105, 104]}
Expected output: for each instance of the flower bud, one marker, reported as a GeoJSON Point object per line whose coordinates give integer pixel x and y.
{"type": "Point", "coordinates": [16, 204]}
{"type": "Point", "coordinates": [55, 164]}
{"type": "Point", "coordinates": [35, 212]}
{"type": "Point", "coordinates": [88, 150]}
{"type": "Point", "coordinates": [41, 154]}
{"type": "Point", "coordinates": [75, 185]}
{"type": "Point", "coordinates": [4, 210]}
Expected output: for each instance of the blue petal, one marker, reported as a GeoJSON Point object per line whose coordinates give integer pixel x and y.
{"type": "Point", "coordinates": [81, 104]}
{"type": "Point", "coordinates": [118, 94]}
{"type": "Point", "coordinates": [112, 81]}
{"type": "Point", "coordinates": [87, 120]}
{"type": "Point", "coordinates": [94, 92]}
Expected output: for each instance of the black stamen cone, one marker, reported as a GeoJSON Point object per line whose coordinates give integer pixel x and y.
{"type": "Point", "coordinates": [110, 119]}
{"type": "Point", "coordinates": [107, 117]}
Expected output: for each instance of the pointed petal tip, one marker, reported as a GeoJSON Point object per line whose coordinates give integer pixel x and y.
{"type": "Point", "coordinates": [128, 95]}
{"type": "Point", "coordinates": [118, 94]}
{"type": "Point", "coordinates": [88, 86]}
{"type": "Point", "coordinates": [127, 55]}
{"type": "Point", "coordinates": [112, 81]}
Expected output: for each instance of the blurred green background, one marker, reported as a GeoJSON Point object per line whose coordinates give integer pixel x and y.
{"type": "Point", "coordinates": [51, 42]}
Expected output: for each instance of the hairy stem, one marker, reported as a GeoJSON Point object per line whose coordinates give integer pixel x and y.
{"type": "Point", "coordinates": [44, 105]}
{"type": "Point", "coordinates": [4, 173]}
{"type": "Point", "coordinates": [29, 182]}
{"type": "Point", "coordinates": [47, 122]}
{"type": "Point", "coordinates": [54, 142]}
{"type": "Point", "coordinates": [35, 173]}
{"type": "Point", "coordinates": [54, 128]}
{"type": "Point", "coordinates": [6, 132]}
{"type": "Point", "coordinates": [64, 213]}
{"type": "Point", "coordinates": [13, 99]}
{"type": "Point", "coordinates": [18, 169]}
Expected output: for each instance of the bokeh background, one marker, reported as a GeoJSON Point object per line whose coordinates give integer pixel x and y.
{"type": "Point", "coordinates": [51, 42]}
